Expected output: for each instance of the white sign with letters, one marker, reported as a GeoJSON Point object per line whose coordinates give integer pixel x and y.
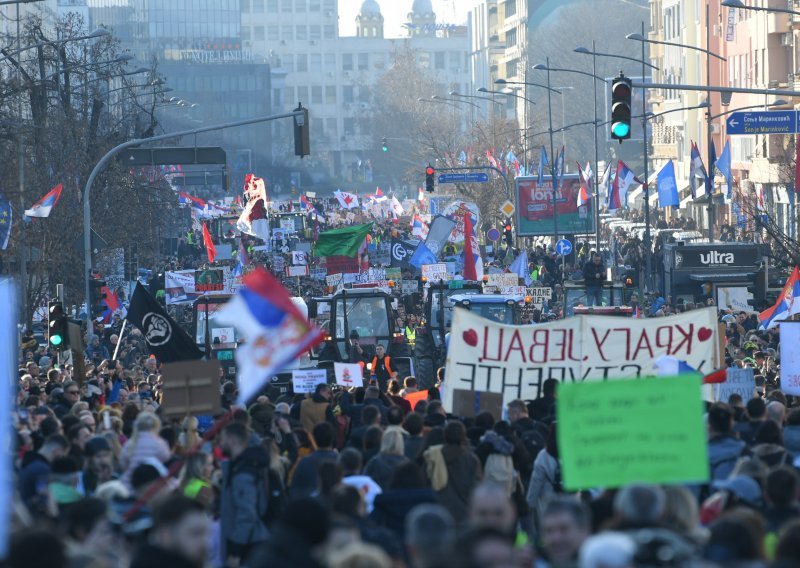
{"type": "Point", "coordinates": [306, 381]}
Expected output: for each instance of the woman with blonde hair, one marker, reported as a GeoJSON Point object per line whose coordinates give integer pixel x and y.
{"type": "Point", "coordinates": [381, 467]}
{"type": "Point", "coordinates": [195, 478]}
{"type": "Point", "coordinates": [189, 437]}
{"type": "Point", "coordinates": [144, 444]}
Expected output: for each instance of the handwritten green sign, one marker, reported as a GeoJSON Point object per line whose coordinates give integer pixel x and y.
{"type": "Point", "coordinates": [612, 433]}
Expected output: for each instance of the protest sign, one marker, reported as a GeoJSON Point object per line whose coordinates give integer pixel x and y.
{"type": "Point", "coordinates": [539, 295]}
{"type": "Point", "coordinates": [435, 272]}
{"type": "Point", "coordinates": [277, 263]}
{"type": "Point", "coordinates": [185, 286]}
{"type": "Point", "coordinates": [790, 357]}
{"type": "Point", "coordinates": [297, 270]}
{"type": "Point", "coordinates": [318, 273]}
{"type": "Point", "coordinates": [737, 381]}
{"type": "Point", "coordinates": [209, 280]}
{"type": "Point", "coordinates": [469, 403]}
{"type": "Point", "coordinates": [224, 334]}
{"type": "Point", "coordinates": [299, 257]}
{"type": "Point", "coordinates": [513, 290]}
{"type": "Point", "coordinates": [348, 374]}
{"type": "Point", "coordinates": [333, 279]}
{"type": "Point", "coordinates": [618, 432]}
{"type": "Point", "coordinates": [502, 279]}
{"type": "Point", "coordinates": [488, 356]}
{"type": "Point", "coordinates": [305, 381]}
{"type": "Point", "coordinates": [409, 287]}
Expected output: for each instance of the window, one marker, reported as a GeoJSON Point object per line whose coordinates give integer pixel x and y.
{"type": "Point", "coordinates": [330, 63]}
{"type": "Point", "coordinates": [272, 6]}
{"type": "Point", "coordinates": [272, 32]}
{"type": "Point", "coordinates": [300, 6]}
{"type": "Point", "coordinates": [315, 32]}
{"type": "Point", "coordinates": [316, 63]}
{"type": "Point", "coordinates": [347, 94]}
{"type": "Point", "coordinates": [288, 62]}
{"type": "Point", "coordinates": [349, 126]}
{"type": "Point", "coordinates": [316, 126]}
{"type": "Point", "coordinates": [287, 33]}
{"type": "Point", "coordinates": [302, 63]}
{"type": "Point", "coordinates": [363, 94]}
{"type": "Point", "coordinates": [288, 95]}
{"type": "Point", "coordinates": [301, 32]}
{"type": "Point", "coordinates": [245, 33]}
{"type": "Point", "coordinates": [330, 95]}
{"type": "Point", "coordinates": [316, 95]}
{"type": "Point", "coordinates": [511, 37]}
{"type": "Point", "coordinates": [511, 68]}
{"type": "Point", "coordinates": [379, 60]}
{"type": "Point", "coordinates": [454, 60]}
{"type": "Point", "coordinates": [258, 33]}
{"type": "Point", "coordinates": [347, 62]}
{"type": "Point", "coordinates": [363, 61]}
{"type": "Point", "coordinates": [314, 6]}
{"type": "Point", "coordinates": [438, 60]}
{"type": "Point", "coordinates": [302, 94]}
{"type": "Point", "coordinates": [329, 31]}
{"type": "Point", "coordinates": [330, 127]}
{"type": "Point", "coordinates": [286, 5]}
{"type": "Point", "coordinates": [245, 4]}
{"type": "Point", "coordinates": [510, 7]}
{"type": "Point", "coordinates": [258, 6]}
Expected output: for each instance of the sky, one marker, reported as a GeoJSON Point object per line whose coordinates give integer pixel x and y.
{"type": "Point", "coordinates": [395, 14]}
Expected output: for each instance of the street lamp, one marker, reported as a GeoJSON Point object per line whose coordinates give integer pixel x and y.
{"type": "Point", "coordinates": [709, 54]}
{"type": "Point", "coordinates": [504, 82]}
{"type": "Point", "coordinates": [742, 6]}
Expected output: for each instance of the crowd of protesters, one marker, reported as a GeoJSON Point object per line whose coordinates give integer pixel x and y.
{"type": "Point", "coordinates": [360, 478]}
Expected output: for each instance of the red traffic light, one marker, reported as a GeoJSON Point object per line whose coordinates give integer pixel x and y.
{"type": "Point", "coordinates": [621, 89]}
{"type": "Point", "coordinates": [429, 171]}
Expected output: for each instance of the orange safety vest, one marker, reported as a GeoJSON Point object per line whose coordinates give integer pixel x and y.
{"type": "Point", "coordinates": [386, 363]}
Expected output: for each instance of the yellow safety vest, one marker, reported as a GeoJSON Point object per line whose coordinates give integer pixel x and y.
{"type": "Point", "coordinates": [411, 335]}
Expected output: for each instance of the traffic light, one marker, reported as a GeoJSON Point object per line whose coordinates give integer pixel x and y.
{"type": "Point", "coordinates": [430, 173]}
{"type": "Point", "coordinates": [621, 91]}
{"type": "Point", "coordinates": [384, 145]}
{"type": "Point", "coordinates": [97, 294]}
{"type": "Point", "coordinates": [508, 235]}
{"type": "Point", "coordinates": [57, 324]}
{"type": "Point", "coordinates": [302, 140]}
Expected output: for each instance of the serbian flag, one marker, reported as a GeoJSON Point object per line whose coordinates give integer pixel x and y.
{"type": "Point", "coordinates": [43, 207]}
{"type": "Point", "coordinates": [418, 227]}
{"type": "Point", "coordinates": [111, 302]}
{"type": "Point", "coordinates": [346, 200]}
{"type": "Point", "coordinates": [211, 250]}
{"type": "Point", "coordinates": [473, 263]}
{"type": "Point", "coordinates": [697, 171]}
{"type": "Point", "coordinates": [420, 195]}
{"type": "Point", "coordinates": [310, 209]}
{"type": "Point", "coordinates": [788, 303]}
{"type": "Point", "coordinates": [241, 259]}
{"type": "Point", "coordinates": [618, 197]}
{"type": "Point", "coordinates": [274, 329]}
{"type": "Point", "coordinates": [585, 192]}
{"type": "Point", "coordinates": [379, 196]}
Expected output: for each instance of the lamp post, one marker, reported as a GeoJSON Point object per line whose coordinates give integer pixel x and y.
{"type": "Point", "coordinates": [709, 54]}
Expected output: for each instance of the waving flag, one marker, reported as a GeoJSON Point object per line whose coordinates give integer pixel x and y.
{"type": "Point", "coordinates": [585, 192]}
{"type": "Point", "coordinates": [788, 303]}
{"type": "Point", "coordinates": [697, 171]}
{"type": "Point", "coordinates": [723, 165]}
{"type": "Point", "coordinates": [241, 259]}
{"type": "Point", "coordinates": [492, 160]}
{"type": "Point", "coordinates": [346, 200]}
{"type": "Point", "coordinates": [542, 164]}
{"type": "Point", "coordinates": [379, 196]}
{"type": "Point", "coordinates": [418, 227]}
{"type": "Point", "coordinates": [711, 165]}
{"type": "Point", "coordinates": [310, 209]}
{"type": "Point", "coordinates": [253, 220]}
{"type": "Point", "coordinates": [420, 195]}
{"type": "Point", "coordinates": [211, 250]}
{"type": "Point", "coordinates": [6, 215]}
{"type": "Point", "coordinates": [618, 197]}
{"type": "Point", "coordinates": [559, 167]}
{"type": "Point", "coordinates": [667, 186]}
{"type": "Point", "coordinates": [608, 177]}
{"type": "Point", "coordinates": [473, 263]}
{"type": "Point", "coordinates": [520, 267]}
{"type": "Point", "coordinates": [275, 330]}
{"type": "Point", "coordinates": [43, 207]}
{"type": "Point", "coordinates": [422, 255]}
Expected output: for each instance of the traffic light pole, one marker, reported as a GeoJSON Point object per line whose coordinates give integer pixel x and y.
{"type": "Point", "coordinates": [298, 115]}
{"type": "Point", "coordinates": [648, 246]}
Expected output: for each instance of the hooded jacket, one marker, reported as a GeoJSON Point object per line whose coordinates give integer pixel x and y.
{"type": "Point", "coordinates": [463, 475]}
{"type": "Point", "coordinates": [243, 501]}
{"type": "Point", "coordinates": [723, 453]}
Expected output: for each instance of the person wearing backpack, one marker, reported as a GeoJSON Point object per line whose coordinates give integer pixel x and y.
{"type": "Point", "coordinates": [546, 477]}
{"type": "Point", "coordinates": [243, 499]}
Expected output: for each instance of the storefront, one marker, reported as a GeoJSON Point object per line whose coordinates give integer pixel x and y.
{"type": "Point", "coordinates": [722, 271]}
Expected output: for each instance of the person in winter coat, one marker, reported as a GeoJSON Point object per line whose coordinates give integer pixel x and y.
{"type": "Point", "coordinates": [546, 477]}
{"type": "Point", "coordinates": [791, 433]}
{"type": "Point", "coordinates": [454, 471]}
{"type": "Point", "coordinates": [407, 489]}
{"type": "Point", "coordinates": [317, 408]}
{"type": "Point", "coordinates": [243, 500]}
{"type": "Point", "coordinates": [144, 444]}
{"type": "Point", "coordinates": [723, 448]}
{"type": "Point", "coordinates": [381, 467]}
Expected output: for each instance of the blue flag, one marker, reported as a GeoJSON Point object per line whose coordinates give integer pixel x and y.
{"type": "Point", "coordinates": [667, 186]}
{"type": "Point", "coordinates": [422, 255]}
{"type": "Point", "coordinates": [723, 166]}
{"type": "Point", "coordinates": [5, 221]}
{"type": "Point", "coordinates": [542, 164]}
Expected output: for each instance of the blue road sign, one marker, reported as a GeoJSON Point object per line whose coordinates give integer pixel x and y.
{"type": "Point", "coordinates": [563, 247]}
{"type": "Point", "coordinates": [493, 234]}
{"type": "Point", "coordinates": [763, 122]}
{"type": "Point", "coordinates": [472, 177]}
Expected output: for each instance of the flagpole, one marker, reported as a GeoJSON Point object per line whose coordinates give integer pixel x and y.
{"type": "Point", "coordinates": [119, 339]}
{"type": "Point", "coordinates": [648, 247]}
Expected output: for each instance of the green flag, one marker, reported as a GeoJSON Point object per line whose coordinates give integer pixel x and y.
{"type": "Point", "coordinates": [342, 242]}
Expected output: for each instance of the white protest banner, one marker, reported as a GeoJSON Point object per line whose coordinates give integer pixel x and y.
{"type": "Point", "coordinates": [224, 334]}
{"type": "Point", "coordinates": [318, 273]}
{"type": "Point", "coordinates": [737, 381]}
{"type": "Point", "coordinates": [734, 298]}
{"type": "Point", "coordinates": [539, 295]}
{"type": "Point", "coordinates": [502, 280]}
{"type": "Point", "coordinates": [435, 272]}
{"type": "Point", "coordinates": [297, 270]}
{"type": "Point", "coordinates": [178, 286]}
{"type": "Point", "coordinates": [513, 290]}
{"type": "Point", "coordinates": [409, 287]}
{"type": "Point", "coordinates": [790, 357]}
{"type": "Point", "coordinates": [306, 381]}
{"type": "Point", "coordinates": [348, 374]}
{"type": "Point", "coordinates": [487, 356]}
{"type": "Point", "coordinates": [287, 225]}
{"type": "Point", "coordinates": [333, 279]}
{"type": "Point", "coordinates": [299, 257]}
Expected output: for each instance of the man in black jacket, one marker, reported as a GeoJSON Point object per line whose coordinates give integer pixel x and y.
{"type": "Point", "coordinates": [594, 274]}
{"type": "Point", "coordinates": [178, 538]}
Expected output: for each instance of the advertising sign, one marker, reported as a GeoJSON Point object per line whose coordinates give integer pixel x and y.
{"type": "Point", "coordinates": [488, 356]}
{"type": "Point", "coordinates": [716, 256]}
{"type": "Point", "coordinates": [534, 210]}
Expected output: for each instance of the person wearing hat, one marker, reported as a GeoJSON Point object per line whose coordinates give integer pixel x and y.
{"type": "Point", "coordinates": [98, 467]}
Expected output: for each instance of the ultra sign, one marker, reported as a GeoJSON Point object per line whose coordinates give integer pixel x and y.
{"type": "Point", "coordinates": [721, 257]}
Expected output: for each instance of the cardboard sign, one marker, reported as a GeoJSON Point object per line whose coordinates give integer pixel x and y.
{"type": "Point", "coordinates": [539, 295]}
{"type": "Point", "coordinates": [737, 381]}
{"type": "Point", "coordinates": [306, 381]}
{"type": "Point", "coordinates": [348, 374]}
{"type": "Point", "coordinates": [409, 287]}
{"type": "Point", "coordinates": [191, 387]}
{"type": "Point", "coordinates": [472, 403]}
{"type": "Point", "coordinates": [619, 432]}
{"type": "Point", "coordinates": [502, 280]}
{"type": "Point", "coordinates": [297, 270]}
{"type": "Point", "coordinates": [435, 272]}
{"type": "Point", "coordinates": [488, 356]}
{"type": "Point", "coordinates": [790, 357]}
{"type": "Point", "coordinates": [333, 279]}
{"type": "Point", "coordinates": [299, 258]}
{"type": "Point", "coordinates": [224, 334]}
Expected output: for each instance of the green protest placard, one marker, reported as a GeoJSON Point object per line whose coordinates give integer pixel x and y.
{"type": "Point", "coordinates": [612, 433]}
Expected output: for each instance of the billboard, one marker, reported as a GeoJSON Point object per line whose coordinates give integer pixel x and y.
{"type": "Point", "coordinates": [534, 207]}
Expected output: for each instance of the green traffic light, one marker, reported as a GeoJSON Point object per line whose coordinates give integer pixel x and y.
{"type": "Point", "coordinates": [621, 129]}
{"type": "Point", "coordinates": [56, 340]}
{"type": "Point", "coordinates": [385, 148]}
